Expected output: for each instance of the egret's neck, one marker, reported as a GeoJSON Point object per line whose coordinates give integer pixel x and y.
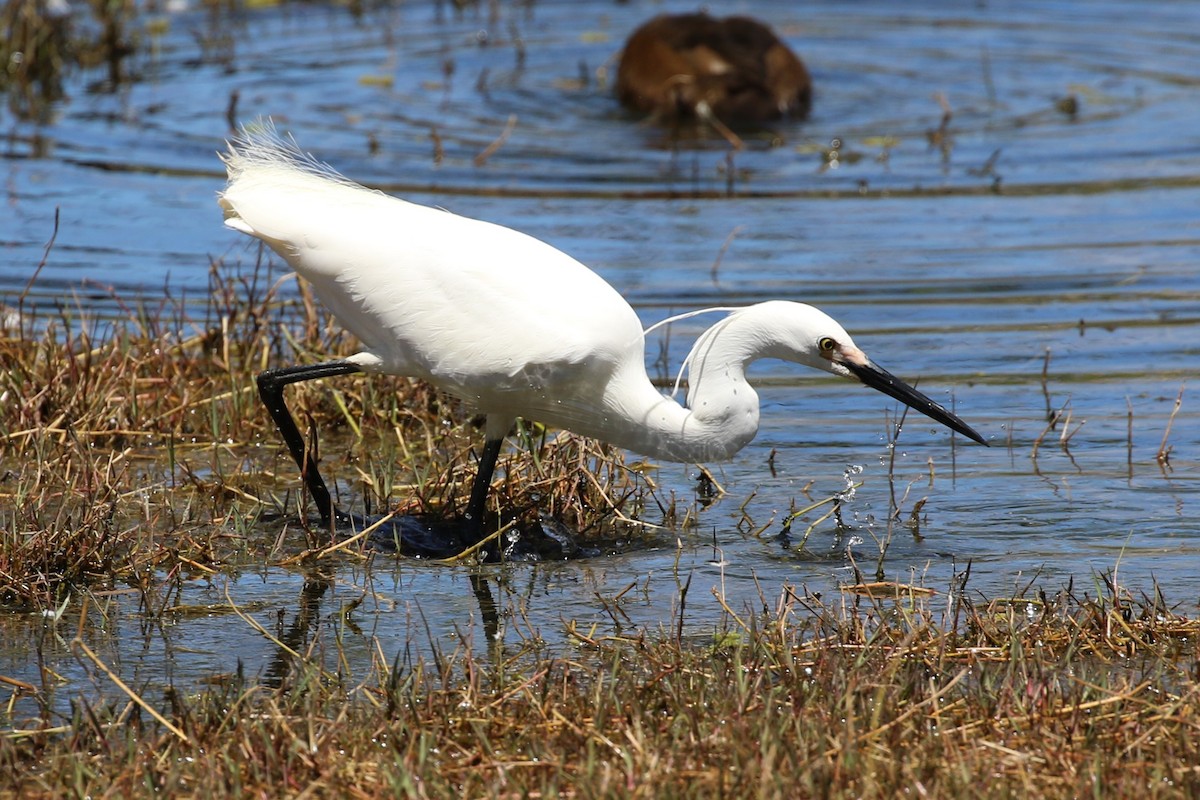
{"type": "Point", "coordinates": [721, 416]}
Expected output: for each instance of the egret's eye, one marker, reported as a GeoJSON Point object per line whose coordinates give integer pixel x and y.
{"type": "Point", "coordinates": [826, 344]}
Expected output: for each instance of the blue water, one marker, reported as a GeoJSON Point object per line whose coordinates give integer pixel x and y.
{"type": "Point", "coordinates": [1028, 234]}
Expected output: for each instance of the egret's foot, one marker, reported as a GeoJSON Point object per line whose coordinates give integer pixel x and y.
{"type": "Point", "coordinates": [423, 537]}
{"type": "Point", "coordinates": [418, 537]}
{"type": "Point", "coordinates": [545, 539]}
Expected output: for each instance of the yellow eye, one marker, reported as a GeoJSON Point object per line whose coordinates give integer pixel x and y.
{"type": "Point", "coordinates": [826, 344]}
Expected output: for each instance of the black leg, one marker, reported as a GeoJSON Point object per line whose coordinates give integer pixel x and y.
{"type": "Point", "coordinates": [270, 389]}
{"type": "Point", "coordinates": [479, 493]}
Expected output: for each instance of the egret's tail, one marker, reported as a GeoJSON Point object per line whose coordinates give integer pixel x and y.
{"type": "Point", "coordinates": [275, 188]}
{"type": "Point", "coordinates": [259, 146]}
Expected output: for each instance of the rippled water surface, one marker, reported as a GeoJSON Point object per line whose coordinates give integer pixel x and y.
{"type": "Point", "coordinates": [1012, 255]}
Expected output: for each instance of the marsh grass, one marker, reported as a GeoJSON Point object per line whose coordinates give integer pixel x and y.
{"type": "Point", "coordinates": [137, 443]}
{"type": "Point", "coordinates": [885, 690]}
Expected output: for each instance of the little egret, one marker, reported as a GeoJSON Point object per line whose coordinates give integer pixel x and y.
{"type": "Point", "coordinates": [693, 65]}
{"type": "Point", "coordinates": [509, 324]}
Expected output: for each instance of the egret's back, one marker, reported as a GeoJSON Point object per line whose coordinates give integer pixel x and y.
{"type": "Point", "coordinates": [484, 311]}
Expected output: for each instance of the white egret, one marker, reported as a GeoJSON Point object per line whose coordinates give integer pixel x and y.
{"type": "Point", "coordinates": [509, 324]}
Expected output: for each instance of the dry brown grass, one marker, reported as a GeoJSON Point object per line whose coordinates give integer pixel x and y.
{"type": "Point", "coordinates": [41, 47]}
{"type": "Point", "coordinates": [140, 442]}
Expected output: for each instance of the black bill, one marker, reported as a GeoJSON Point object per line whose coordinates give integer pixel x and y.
{"type": "Point", "coordinates": [879, 378]}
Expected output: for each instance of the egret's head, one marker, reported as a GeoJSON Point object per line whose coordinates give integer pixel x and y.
{"type": "Point", "coordinates": [812, 337]}
{"type": "Point", "coordinates": [804, 334]}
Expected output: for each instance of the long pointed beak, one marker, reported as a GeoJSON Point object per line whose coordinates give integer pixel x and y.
{"type": "Point", "coordinates": [879, 378]}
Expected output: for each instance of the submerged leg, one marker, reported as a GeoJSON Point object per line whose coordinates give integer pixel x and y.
{"type": "Point", "coordinates": [479, 493]}
{"type": "Point", "coordinates": [270, 389]}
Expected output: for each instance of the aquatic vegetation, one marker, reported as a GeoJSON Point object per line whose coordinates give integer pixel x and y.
{"type": "Point", "coordinates": [885, 690]}
{"type": "Point", "coordinates": [46, 40]}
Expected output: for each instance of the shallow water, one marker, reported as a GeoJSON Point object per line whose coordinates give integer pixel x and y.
{"type": "Point", "coordinates": [1026, 231]}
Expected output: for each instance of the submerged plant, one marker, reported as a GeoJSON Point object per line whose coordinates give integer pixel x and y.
{"type": "Point", "coordinates": [35, 54]}
{"type": "Point", "coordinates": [47, 40]}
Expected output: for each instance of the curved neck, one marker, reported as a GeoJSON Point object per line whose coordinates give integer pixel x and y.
{"type": "Point", "coordinates": [721, 416]}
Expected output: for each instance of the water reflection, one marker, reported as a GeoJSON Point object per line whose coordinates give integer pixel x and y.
{"type": "Point", "coordinates": [295, 640]}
